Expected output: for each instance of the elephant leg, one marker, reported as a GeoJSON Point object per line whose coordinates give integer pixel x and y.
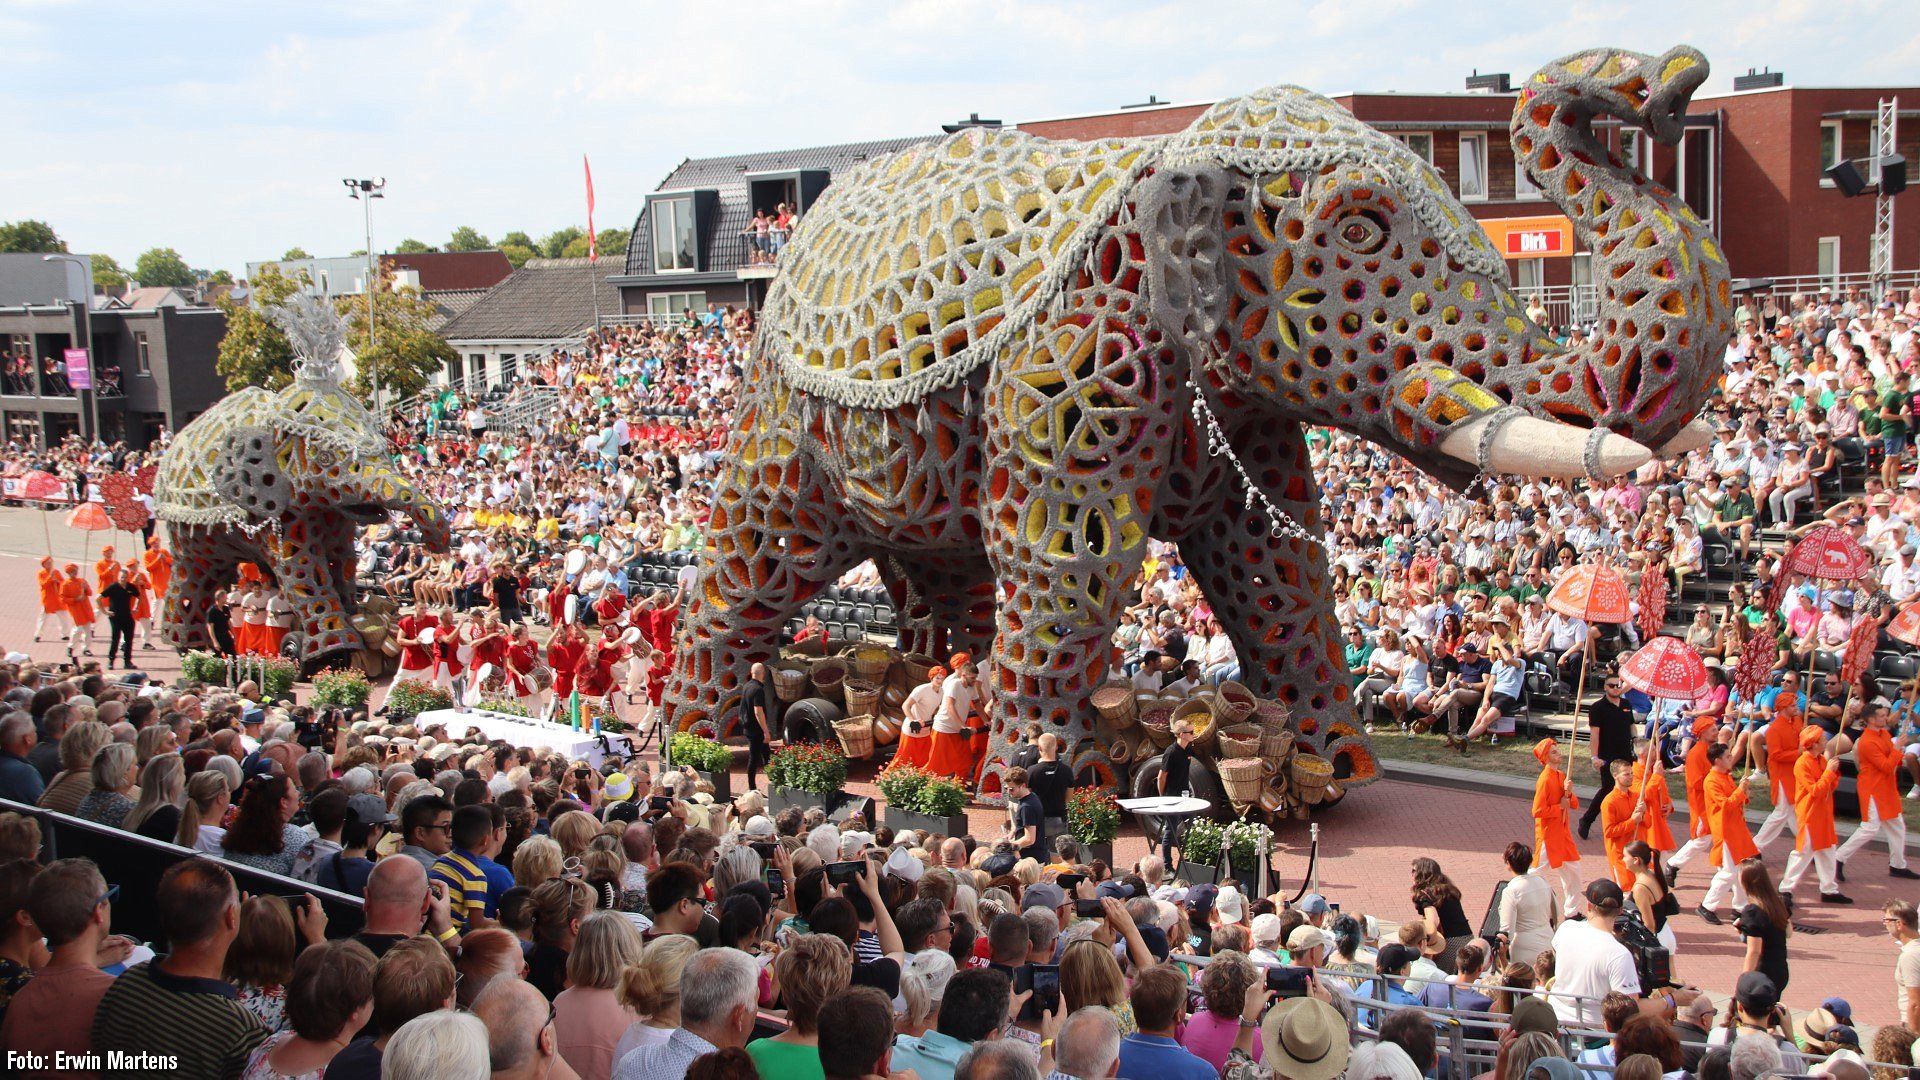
{"type": "Point", "coordinates": [335, 534]}
{"type": "Point", "coordinates": [944, 603]}
{"type": "Point", "coordinates": [769, 550]}
{"type": "Point", "coordinates": [1270, 592]}
{"type": "Point", "coordinates": [306, 568]}
{"type": "Point", "coordinates": [200, 564]}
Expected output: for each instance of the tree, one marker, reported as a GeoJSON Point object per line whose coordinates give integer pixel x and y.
{"type": "Point", "coordinates": [613, 244]}
{"type": "Point", "coordinates": [218, 277]}
{"type": "Point", "coordinates": [517, 254]}
{"type": "Point", "coordinates": [37, 237]}
{"type": "Point", "coordinates": [163, 266]}
{"type": "Point", "coordinates": [410, 246]}
{"type": "Point", "coordinates": [255, 352]}
{"type": "Point", "coordinates": [555, 245]}
{"type": "Point", "coordinates": [468, 238]}
{"type": "Point", "coordinates": [519, 238]}
{"type": "Point", "coordinates": [295, 252]}
{"type": "Point", "coordinates": [405, 352]}
{"type": "Point", "coordinates": [107, 273]}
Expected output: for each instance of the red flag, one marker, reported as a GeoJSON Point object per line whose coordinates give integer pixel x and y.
{"type": "Point", "coordinates": [593, 241]}
{"type": "Point", "coordinates": [1860, 643]}
{"type": "Point", "coordinates": [1653, 598]}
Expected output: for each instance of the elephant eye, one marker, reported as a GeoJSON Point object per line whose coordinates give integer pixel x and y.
{"type": "Point", "coordinates": [1361, 231]}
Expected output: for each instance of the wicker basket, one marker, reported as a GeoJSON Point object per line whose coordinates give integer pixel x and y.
{"type": "Point", "coordinates": [829, 677]}
{"type": "Point", "coordinates": [856, 736]}
{"type": "Point", "coordinates": [790, 682]}
{"type": "Point", "coordinates": [863, 697]}
{"type": "Point", "coordinates": [1275, 744]}
{"type": "Point", "coordinates": [1115, 704]}
{"type": "Point", "coordinates": [1242, 779]}
{"type": "Point", "coordinates": [1240, 741]}
{"type": "Point", "coordinates": [1157, 722]}
{"type": "Point", "coordinates": [871, 662]}
{"type": "Point", "coordinates": [1198, 711]}
{"type": "Point", "coordinates": [1311, 775]}
{"type": "Point", "coordinates": [1233, 704]}
{"type": "Point", "coordinates": [918, 665]}
{"type": "Point", "coordinates": [1120, 751]}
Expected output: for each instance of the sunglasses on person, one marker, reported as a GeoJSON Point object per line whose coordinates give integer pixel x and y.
{"type": "Point", "coordinates": [108, 897]}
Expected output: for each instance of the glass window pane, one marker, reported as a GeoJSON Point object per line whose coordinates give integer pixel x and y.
{"type": "Point", "coordinates": [663, 235]}
{"type": "Point", "coordinates": [1697, 173]}
{"type": "Point", "coordinates": [683, 234]}
{"type": "Point", "coordinates": [1473, 166]}
{"type": "Point", "coordinates": [1829, 146]}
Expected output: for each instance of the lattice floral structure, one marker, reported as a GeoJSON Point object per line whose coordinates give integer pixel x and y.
{"type": "Point", "coordinates": [282, 480]}
{"type": "Point", "coordinates": [997, 364]}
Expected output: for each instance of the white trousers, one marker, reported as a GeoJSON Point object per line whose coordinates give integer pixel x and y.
{"type": "Point", "coordinates": [1726, 876]}
{"type": "Point", "coordinates": [1780, 819]}
{"type": "Point", "coordinates": [1566, 875]}
{"type": "Point", "coordinates": [1870, 826]}
{"type": "Point", "coordinates": [60, 619]}
{"type": "Point", "coordinates": [1822, 862]}
{"type": "Point", "coordinates": [1691, 850]}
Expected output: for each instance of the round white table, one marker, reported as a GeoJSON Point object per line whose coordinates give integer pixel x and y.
{"type": "Point", "coordinates": [1173, 813]}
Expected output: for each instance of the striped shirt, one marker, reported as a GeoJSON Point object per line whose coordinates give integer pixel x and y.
{"type": "Point", "coordinates": [199, 1023]}
{"type": "Point", "coordinates": [474, 884]}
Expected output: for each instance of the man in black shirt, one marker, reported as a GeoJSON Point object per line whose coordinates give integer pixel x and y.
{"type": "Point", "coordinates": [757, 713]}
{"type": "Point", "coordinates": [1027, 825]}
{"type": "Point", "coordinates": [1050, 778]}
{"type": "Point", "coordinates": [117, 601]}
{"type": "Point", "coordinates": [1177, 763]}
{"type": "Point", "coordinates": [1611, 738]}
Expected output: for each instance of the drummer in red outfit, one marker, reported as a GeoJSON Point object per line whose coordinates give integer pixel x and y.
{"type": "Point", "coordinates": [448, 666]}
{"type": "Point", "coordinates": [593, 676]}
{"type": "Point", "coordinates": [489, 645]}
{"type": "Point", "coordinates": [416, 656]}
{"type": "Point", "coordinates": [563, 655]}
{"type": "Point", "coordinates": [519, 656]}
{"type": "Point", "coordinates": [609, 606]}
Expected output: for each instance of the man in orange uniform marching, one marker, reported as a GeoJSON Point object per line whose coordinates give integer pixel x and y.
{"type": "Point", "coordinates": [1783, 752]}
{"type": "Point", "coordinates": [107, 569]}
{"type": "Point", "coordinates": [51, 604]}
{"type": "Point", "coordinates": [1621, 813]}
{"type": "Point", "coordinates": [1654, 829]}
{"type": "Point", "coordinates": [77, 595]}
{"type": "Point", "coordinates": [1732, 840]}
{"type": "Point", "coordinates": [1878, 756]}
{"type": "Point", "coordinates": [1553, 805]}
{"type": "Point", "coordinates": [1699, 833]}
{"type": "Point", "coordinates": [159, 567]}
{"type": "Point", "coordinates": [1815, 776]}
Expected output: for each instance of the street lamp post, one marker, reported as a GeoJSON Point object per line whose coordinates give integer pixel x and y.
{"type": "Point", "coordinates": [89, 423]}
{"type": "Point", "coordinates": [367, 191]}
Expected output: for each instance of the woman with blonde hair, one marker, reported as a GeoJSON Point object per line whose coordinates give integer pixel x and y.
{"type": "Point", "coordinates": [573, 831]}
{"type": "Point", "coordinates": [588, 1017]}
{"type": "Point", "coordinates": [208, 797]}
{"type": "Point", "coordinates": [163, 791]}
{"type": "Point", "coordinates": [75, 779]}
{"type": "Point", "coordinates": [485, 955]}
{"type": "Point", "coordinates": [559, 906]}
{"type": "Point", "coordinates": [537, 861]}
{"type": "Point", "coordinates": [814, 969]}
{"type": "Point", "coordinates": [112, 796]}
{"type": "Point", "coordinates": [1089, 975]}
{"type": "Point", "coordinates": [651, 988]}
{"type": "Point", "coordinates": [1028, 870]}
{"type": "Point", "coordinates": [151, 742]}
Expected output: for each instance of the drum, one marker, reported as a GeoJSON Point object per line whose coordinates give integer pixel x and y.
{"type": "Point", "coordinates": [576, 561]}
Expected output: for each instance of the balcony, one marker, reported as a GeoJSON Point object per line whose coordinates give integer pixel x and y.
{"type": "Point", "coordinates": [758, 257]}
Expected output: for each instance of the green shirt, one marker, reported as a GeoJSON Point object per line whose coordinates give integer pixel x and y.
{"type": "Point", "coordinates": [1730, 508]}
{"type": "Point", "coordinates": [1893, 401]}
{"type": "Point", "coordinates": [1357, 657]}
{"type": "Point", "coordinates": [786, 1060]}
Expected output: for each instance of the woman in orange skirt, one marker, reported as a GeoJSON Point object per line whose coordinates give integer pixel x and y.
{"type": "Point", "coordinates": [952, 751]}
{"type": "Point", "coordinates": [916, 729]}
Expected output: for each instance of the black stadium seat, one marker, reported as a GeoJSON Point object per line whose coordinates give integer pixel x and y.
{"type": "Point", "coordinates": [1898, 667]}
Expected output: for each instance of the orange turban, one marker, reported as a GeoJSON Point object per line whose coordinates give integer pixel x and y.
{"type": "Point", "coordinates": [46, 561]}
{"type": "Point", "coordinates": [73, 568]}
{"type": "Point", "coordinates": [936, 673]}
{"type": "Point", "coordinates": [1812, 736]}
{"type": "Point", "coordinates": [959, 660]}
{"type": "Point", "coordinates": [1702, 725]}
{"type": "Point", "coordinates": [1543, 750]}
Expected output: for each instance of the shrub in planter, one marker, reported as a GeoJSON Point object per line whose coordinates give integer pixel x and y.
{"type": "Point", "coordinates": [810, 767]}
{"type": "Point", "coordinates": [901, 785]}
{"type": "Point", "coordinates": [411, 697]}
{"type": "Point", "coordinates": [202, 666]}
{"type": "Point", "coordinates": [1246, 842]}
{"type": "Point", "coordinates": [1200, 851]}
{"type": "Point", "coordinates": [340, 689]}
{"type": "Point", "coordinates": [1093, 816]}
{"type": "Point", "coordinates": [941, 797]}
{"type": "Point", "coordinates": [276, 677]}
{"type": "Point", "coordinates": [698, 754]}
{"type": "Point", "coordinates": [501, 705]}
{"type": "Point", "coordinates": [931, 803]}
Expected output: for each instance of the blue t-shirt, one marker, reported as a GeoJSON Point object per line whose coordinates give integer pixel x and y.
{"type": "Point", "coordinates": [1508, 679]}
{"type": "Point", "coordinates": [1160, 1058]}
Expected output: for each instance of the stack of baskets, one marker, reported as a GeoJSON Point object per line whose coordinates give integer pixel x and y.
{"type": "Point", "coordinates": [790, 680]}
{"type": "Point", "coordinates": [856, 736]}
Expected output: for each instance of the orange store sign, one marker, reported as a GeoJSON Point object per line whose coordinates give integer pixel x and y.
{"type": "Point", "coordinates": [1530, 237]}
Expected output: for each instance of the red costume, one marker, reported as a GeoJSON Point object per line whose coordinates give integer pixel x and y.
{"type": "Point", "coordinates": [416, 657]}
{"type": "Point", "coordinates": [563, 654]}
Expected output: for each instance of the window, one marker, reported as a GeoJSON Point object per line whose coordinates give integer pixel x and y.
{"type": "Point", "coordinates": [1829, 258]}
{"type": "Point", "coordinates": [1523, 185]}
{"type": "Point", "coordinates": [1529, 276]}
{"type": "Point", "coordinates": [1697, 172]}
{"type": "Point", "coordinates": [1829, 149]}
{"type": "Point", "coordinates": [1420, 142]}
{"type": "Point", "coordinates": [676, 303]}
{"type": "Point", "coordinates": [142, 361]}
{"type": "Point", "coordinates": [1585, 302]}
{"type": "Point", "coordinates": [673, 239]}
{"type": "Point", "coordinates": [1473, 166]}
{"type": "Point", "coordinates": [1634, 150]}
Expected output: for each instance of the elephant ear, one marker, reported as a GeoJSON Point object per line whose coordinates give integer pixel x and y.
{"type": "Point", "coordinates": [247, 472]}
{"type": "Point", "coordinates": [1181, 214]}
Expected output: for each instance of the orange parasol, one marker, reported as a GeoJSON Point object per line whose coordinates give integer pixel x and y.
{"type": "Point", "coordinates": [90, 518]}
{"type": "Point", "coordinates": [1593, 593]}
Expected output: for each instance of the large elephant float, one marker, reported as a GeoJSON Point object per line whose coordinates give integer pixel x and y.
{"type": "Point", "coordinates": [997, 364]}
{"type": "Point", "coordinates": [283, 480]}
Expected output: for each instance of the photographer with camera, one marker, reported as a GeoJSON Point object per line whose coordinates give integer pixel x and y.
{"type": "Point", "coordinates": [1590, 961]}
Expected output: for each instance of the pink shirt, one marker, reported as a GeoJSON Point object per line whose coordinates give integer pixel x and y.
{"type": "Point", "coordinates": [588, 1024]}
{"type": "Point", "coordinates": [1210, 1037]}
{"type": "Point", "coordinates": [54, 1011]}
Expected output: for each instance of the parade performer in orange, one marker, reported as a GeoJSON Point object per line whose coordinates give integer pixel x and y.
{"type": "Point", "coordinates": [1699, 833]}
{"type": "Point", "coordinates": [1732, 840]}
{"type": "Point", "coordinates": [916, 724]}
{"type": "Point", "coordinates": [564, 650]}
{"type": "Point", "coordinates": [77, 595]}
{"type": "Point", "coordinates": [1783, 752]}
{"type": "Point", "coordinates": [136, 579]}
{"type": "Point", "coordinates": [1815, 776]}
{"type": "Point", "coordinates": [252, 636]}
{"type": "Point", "coordinates": [52, 606]}
{"type": "Point", "coordinates": [952, 753]}
{"type": "Point", "coordinates": [1553, 805]}
{"type": "Point", "coordinates": [106, 569]}
{"type": "Point", "coordinates": [278, 615]}
{"type": "Point", "coordinates": [159, 566]}
{"type": "Point", "coordinates": [1878, 755]}
{"type": "Point", "coordinates": [1654, 830]}
{"type": "Point", "coordinates": [1621, 814]}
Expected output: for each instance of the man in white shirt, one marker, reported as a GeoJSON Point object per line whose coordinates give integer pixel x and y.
{"type": "Point", "coordinates": [1589, 962]}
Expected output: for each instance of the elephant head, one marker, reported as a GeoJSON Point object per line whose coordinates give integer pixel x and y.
{"type": "Point", "coordinates": [1319, 270]}
{"type": "Point", "coordinates": [270, 472]}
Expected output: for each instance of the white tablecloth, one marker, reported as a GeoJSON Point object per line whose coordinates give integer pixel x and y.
{"type": "Point", "coordinates": [522, 731]}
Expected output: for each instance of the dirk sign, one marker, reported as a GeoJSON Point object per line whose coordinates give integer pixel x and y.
{"type": "Point", "coordinates": [1528, 242]}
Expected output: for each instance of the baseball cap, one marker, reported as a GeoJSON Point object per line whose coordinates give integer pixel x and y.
{"type": "Point", "coordinates": [1200, 898]}
{"type": "Point", "coordinates": [1754, 990]}
{"type": "Point", "coordinates": [1534, 1014]}
{"type": "Point", "coordinates": [1266, 930]}
{"type": "Point", "coordinates": [1231, 905]}
{"type": "Point", "coordinates": [370, 809]}
{"type": "Point", "coordinates": [1119, 890]}
{"type": "Point", "coordinates": [1606, 896]}
{"type": "Point", "coordinates": [1841, 1011]}
{"type": "Point", "coordinates": [903, 865]}
{"type": "Point", "coordinates": [618, 788]}
{"type": "Point", "coordinates": [759, 826]}
{"type": "Point", "coordinates": [1043, 894]}
{"type": "Point", "coordinates": [1313, 904]}
{"type": "Point", "coordinates": [1308, 936]}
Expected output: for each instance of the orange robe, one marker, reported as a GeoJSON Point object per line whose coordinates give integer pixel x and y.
{"type": "Point", "coordinates": [1814, 782]}
{"type": "Point", "coordinates": [1551, 803]}
{"type": "Point", "coordinates": [106, 571]}
{"type": "Point", "coordinates": [50, 600]}
{"type": "Point", "coordinates": [78, 596]}
{"type": "Point", "coordinates": [1879, 762]}
{"type": "Point", "coordinates": [1654, 828]}
{"type": "Point", "coordinates": [1697, 769]}
{"type": "Point", "coordinates": [1783, 750]}
{"type": "Point", "coordinates": [159, 569]}
{"type": "Point", "coordinates": [1619, 829]}
{"type": "Point", "coordinates": [142, 604]}
{"type": "Point", "coordinates": [1727, 814]}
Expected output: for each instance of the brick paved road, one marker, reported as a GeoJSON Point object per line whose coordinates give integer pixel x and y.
{"type": "Point", "coordinates": [1366, 843]}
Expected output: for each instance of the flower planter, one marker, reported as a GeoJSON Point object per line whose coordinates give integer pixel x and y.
{"type": "Point", "coordinates": [781, 798]}
{"type": "Point", "coordinates": [1100, 853]}
{"type": "Point", "coordinates": [722, 784]}
{"type": "Point", "coordinates": [944, 826]}
{"type": "Point", "coordinates": [1194, 873]}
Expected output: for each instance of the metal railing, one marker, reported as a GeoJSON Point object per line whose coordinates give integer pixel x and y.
{"type": "Point", "coordinates": [1571, 305]}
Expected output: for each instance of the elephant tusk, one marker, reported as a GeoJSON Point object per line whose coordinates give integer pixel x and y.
{"type": "Point", "coordinates": [1692, 437]}
{"type": "Point", "coordinates": [1512, 442]}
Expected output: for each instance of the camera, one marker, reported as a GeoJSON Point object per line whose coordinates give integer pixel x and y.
{"type": "Point", "coordinates": [845, 873]}
{"type": "Point", "coordinates": [1288, 982]}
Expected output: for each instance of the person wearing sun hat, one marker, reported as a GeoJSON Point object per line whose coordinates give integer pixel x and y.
{"type": "Point", "coordinates": [1302, 1038]}
{"type": "Point", "coordinates": [618, 788]}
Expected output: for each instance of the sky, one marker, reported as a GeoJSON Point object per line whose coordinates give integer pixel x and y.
{"type": "Point", "coordinates": [224, 130]}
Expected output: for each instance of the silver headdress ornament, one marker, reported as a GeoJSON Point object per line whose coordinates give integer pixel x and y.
{"type": "Point", "coordinates": [317, 333]}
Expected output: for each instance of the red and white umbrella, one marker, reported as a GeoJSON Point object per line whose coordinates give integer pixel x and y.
{"type": "Point", "coordinates": [1906, 625]}
{"type": "Point", "coordinates": [1829, 553]}
{"type": "Point", "coordinates": [1653, 598]}
{"type": "Point", "coordinates": [1860, 645]}
{"type": "Point", "coordinates": [1594, 592]}
{"type": "Point", "coordinates": [43, 487]}
{"type": "Point", "coordinates": [90, 518]}
{"type": "Point", "coordinates": [1669, 668]}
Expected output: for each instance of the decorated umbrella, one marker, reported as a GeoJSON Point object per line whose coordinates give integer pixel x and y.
{"type": "Point", "coordinates": [1669, 668]}
{"type": "Point", "coordinates": [1592, 593]}
{"type": "Point", "coordinates": [1906, 625]}
{"type": "Point", "coordinates": [43, 487]}
{"type": "Point", "coordinates": [1826, 554]}
{"type": "Point", "coordinates": [124, 509]}
{"type": "Point", "coordinates": [1653, 598]}
{"type": "Point", "coordinates": [89, 517]}
{"type": "Point", "coordinates": [1860, 643]}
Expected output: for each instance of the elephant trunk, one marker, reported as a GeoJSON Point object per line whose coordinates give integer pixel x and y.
{"type": "Point", "coordinates": [1666, 298]}
{"type": "Point", "coordinates": [374, 484]}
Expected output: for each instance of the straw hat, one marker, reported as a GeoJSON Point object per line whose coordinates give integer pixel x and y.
{"type": "Point", "coordinates": [1304, 1038]}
